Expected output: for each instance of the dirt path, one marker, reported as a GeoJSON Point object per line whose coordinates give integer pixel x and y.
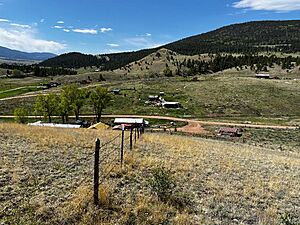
{"type": "Point", "coordinates": [194, 126]}
{"type": "Point", "coordinates": [201, 122]}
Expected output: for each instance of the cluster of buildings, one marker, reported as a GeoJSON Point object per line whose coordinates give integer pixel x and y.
{"type": "Point", "coordinates": [158, 100]}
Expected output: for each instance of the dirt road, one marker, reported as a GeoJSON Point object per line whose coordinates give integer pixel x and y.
{"type": "Point", "coordinates": [194, 126]}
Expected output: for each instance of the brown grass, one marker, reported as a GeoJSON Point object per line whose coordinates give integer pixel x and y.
{"type": "Point", "coordinates": [46, 178]}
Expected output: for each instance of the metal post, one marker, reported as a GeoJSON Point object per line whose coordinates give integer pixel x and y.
{"type": "Point", "coordinates": [131, 138]}
{"type": "Point", "coordinates": [122, 145]}
{"type": "Point", "coordinates": [96, 172]}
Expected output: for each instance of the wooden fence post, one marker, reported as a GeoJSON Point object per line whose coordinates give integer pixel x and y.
{"type": "Point", "coordinates": [131, 138]}
{"type": "Point", "coordinates": [138, 132]}
{"type": "Point", "coordinates": [96, 172]}
{"type": "Point", "coordinates": [122, 145]}
{"type": "Point", "coordinates": [134, 135]}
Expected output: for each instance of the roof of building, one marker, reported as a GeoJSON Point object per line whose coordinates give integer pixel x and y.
{"type": "Point", "coordinates": [229, 129]}
{"type": "Point", "coordinates": [262, 75]}
{"type": "Point", "coordinates": [41, 124]}
{"type": "Point", "coordinates": [153, 96]}
{"type": "Point", "coordinates": [129, 121]}
{"type": "Point", "coordinates": [171, 103]}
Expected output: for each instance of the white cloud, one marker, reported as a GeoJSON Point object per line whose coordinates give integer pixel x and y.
{"type": "Point", "coordinates": [60, 22]}
{"type": "Point", "coordinates": [20, 25]}
{"type": "Point", "coordinates": [25, 40]}
{"type": "Point", "coordinates": [85, 31]}
{"type": "Point", "coordinates": [42, 20]}
{"type": "Point", "coordinates": [270, 5]}
{"type": "Point", "coordinates": [4, 20]}
{"type": "Point", "coordinates": [104, 30]}
{"type": "Point", "coordinates": [113, 45]}
{"type": "Point", "coordinates": [58, 27]}
{"type": "Point", "coordinates": [142, 42]}
{"type": "Point", "coordinates": [66, 30]}
{"type": "Point", "coordinates": [144, 35]}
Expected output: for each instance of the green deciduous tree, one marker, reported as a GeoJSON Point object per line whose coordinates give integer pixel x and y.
{"type": "Point", "coordinates": [65, 107]}
{"type": "Point", "coordinates": [73, 98]}
{"type": "Point", "coordinates": [100, 99]}
{"type": "Point", "coordinates": [47, 105]}
{"type": "Point", "coordinates": [21, 115]}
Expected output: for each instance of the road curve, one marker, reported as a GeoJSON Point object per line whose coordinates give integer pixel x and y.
{"type": "Point", "coordinates": [190, 121]}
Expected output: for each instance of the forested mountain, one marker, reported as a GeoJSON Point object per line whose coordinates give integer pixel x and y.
{"type": "Point", "coordinates": [106, 61]}
{"type": "Point", "coordinates": [74, 60]}
{"type": "Point", "coordinates": [10, 54]}
{"type": "Point", "coordinates": [245, 38]}
{"type": "Point", "coordinates": [251, 37]}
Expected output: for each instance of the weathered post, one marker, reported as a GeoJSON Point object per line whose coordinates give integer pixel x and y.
{"type": "Point", "coordinates": [138, 132]}
{"type": "Point", "coordinates": [96, 172]}
{"type": "Point", "coordinates": [135, 135]}
{"type": "Point", "coordinates": [131, 138]}
{"type": "Point", "coordinates": [122, 145]}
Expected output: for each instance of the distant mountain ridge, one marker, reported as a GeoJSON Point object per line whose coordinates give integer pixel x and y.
{"type": "Point", "coordinates": [244, 38]}
{"type": "Point", "coordinates": [10, 54]}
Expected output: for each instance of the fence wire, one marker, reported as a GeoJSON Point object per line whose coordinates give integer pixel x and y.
{"type": "Point", "coordinates": [110, 141]}
{"type": "Point", "coordinates": [109, 156]}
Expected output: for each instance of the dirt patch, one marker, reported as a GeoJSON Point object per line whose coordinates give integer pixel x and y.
{"type": "Point", "coordinates": [193, 128]}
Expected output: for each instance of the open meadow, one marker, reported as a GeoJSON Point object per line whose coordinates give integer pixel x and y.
{"type": "Point", "coordinates": [226, 96]}
{"type": "Point", "coordinates": [46, 178]}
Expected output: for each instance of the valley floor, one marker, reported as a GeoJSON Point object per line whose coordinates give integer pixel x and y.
{"type": "Point", "coordinates": [46, 174]}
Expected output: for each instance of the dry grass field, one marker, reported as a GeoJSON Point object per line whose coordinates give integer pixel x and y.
{"type": "Point", "coordinates": [45, 178]}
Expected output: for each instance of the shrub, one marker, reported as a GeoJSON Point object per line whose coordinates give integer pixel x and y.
{"type": "Point", "coordinates": [162, 183]}
{"type": "Point", "coordinates": [181, 201]}
{"type": "Point", "coordinates": [21, 115]}
{"type": "Point", "coordinates": [287, 219]}
{"type": "Point", "coordinates": [17, 74]}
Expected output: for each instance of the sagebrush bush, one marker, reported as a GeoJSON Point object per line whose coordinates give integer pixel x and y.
{"type": "Point", "coordinates": [162, 183]}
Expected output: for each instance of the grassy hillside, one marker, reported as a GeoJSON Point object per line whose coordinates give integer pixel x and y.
{"type": "Point", "coordinates": [46, 178]}
{"type": "Point", "coordinates": [154, 64]}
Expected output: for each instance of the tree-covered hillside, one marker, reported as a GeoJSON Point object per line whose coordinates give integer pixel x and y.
{"type": "Point", "coordinates": [73, 60]}
{"type": "Point", "coordinates": [105, 62]}
{"type": "Point", "coordinates": [251, 37]}
{"type": "Point", "coordinates": [245, 38]}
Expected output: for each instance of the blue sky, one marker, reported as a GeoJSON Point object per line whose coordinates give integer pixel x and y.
{"type": "Point", "coordinates": [103, 26]}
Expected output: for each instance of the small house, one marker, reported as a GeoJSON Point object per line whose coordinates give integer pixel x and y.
{"type": "Point", "coordinates": [153, 98]}
{"type": "Point", "coordinates": [171, 105]}
{"type": "Point", "coordinates": [262, 76]}
{"type": "Point", "coordinates": [230, 131]}
{"type": "Point", "coordinates": [51, 84]}
{"type": "Point", "coordinates": [116, 91]}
